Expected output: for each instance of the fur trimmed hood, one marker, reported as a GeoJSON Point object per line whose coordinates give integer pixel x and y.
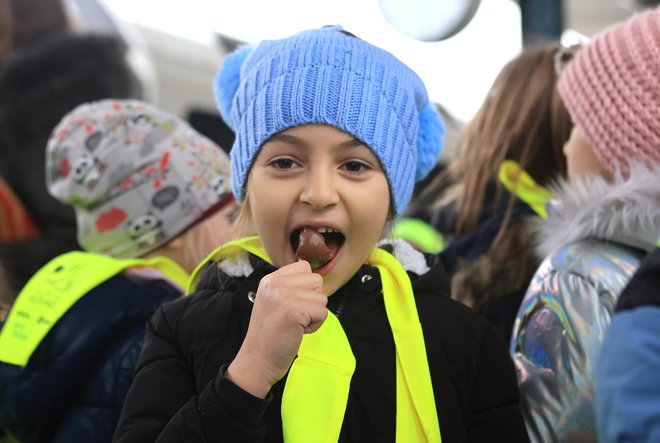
{"type": "Point", "coordinates": [623, 211]}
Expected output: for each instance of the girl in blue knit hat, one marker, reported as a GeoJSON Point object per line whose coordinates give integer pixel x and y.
{"type": "Point", "coordinates": [309, 326]}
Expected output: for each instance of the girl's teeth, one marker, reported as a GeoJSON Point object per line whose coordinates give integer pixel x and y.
{"type": "Point", "coordinates": [324, 230]}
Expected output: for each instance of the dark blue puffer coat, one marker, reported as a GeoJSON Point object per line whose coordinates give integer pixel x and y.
{"type": "Point", "coordinates": [73, 387]}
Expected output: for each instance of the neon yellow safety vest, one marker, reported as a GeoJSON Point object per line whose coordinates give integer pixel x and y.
{"type": "Point", "coordinates": [316, 389]}
{"type": "Point", "coordinates": [520, 183]}
{"type": "Point", "coordinates": [55, 288]}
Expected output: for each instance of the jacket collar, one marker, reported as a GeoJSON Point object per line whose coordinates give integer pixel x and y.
{"type": "Point", "coordinates": [623, 211]}
{"type": "Point", "coordinates": [245, 273]}
{"type": "Point", "coordinates": [411, 259]}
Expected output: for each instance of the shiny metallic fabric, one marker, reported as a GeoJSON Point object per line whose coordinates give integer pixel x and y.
{"type": "Point", "coordinates": [594, 241]}
{"type": "Point", "coordinates": [558, 333]}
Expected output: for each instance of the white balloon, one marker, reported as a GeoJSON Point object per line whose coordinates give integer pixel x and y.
{"type": "Point", "coordinates": [429, 20]}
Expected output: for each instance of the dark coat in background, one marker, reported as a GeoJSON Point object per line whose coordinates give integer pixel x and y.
{"type": "Point", "coordinates": [491, 278]}
{"type": "Point", "coordinates": [73, 387]}
{"type": "Point", "coordinates": [39, 84]}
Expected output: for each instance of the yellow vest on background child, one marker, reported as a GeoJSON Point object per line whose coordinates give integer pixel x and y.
{"type": "Point", "coordinates": [145, 186]}
{"type": "Point", "coordinates": [52, 291]}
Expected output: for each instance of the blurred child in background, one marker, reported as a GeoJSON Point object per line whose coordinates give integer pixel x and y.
{"type": "Point", "coordinates": [152, 199]}
{"type": "Point", "coordinates": [606, 221]}
{"type": "Point", "coordinates": [517, 135]}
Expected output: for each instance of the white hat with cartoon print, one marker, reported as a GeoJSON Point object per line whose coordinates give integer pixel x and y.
{"type": "Point", "coordinates": [136, 176]}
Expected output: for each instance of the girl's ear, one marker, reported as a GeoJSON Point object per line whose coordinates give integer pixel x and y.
{"type": "Point", "coordinates": [228, 80]}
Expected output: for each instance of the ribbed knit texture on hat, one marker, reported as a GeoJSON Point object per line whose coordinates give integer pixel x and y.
{"type": "Point", "coordinates": [326, 76]}
{"type": "Point", "coordinates": [612, 90]}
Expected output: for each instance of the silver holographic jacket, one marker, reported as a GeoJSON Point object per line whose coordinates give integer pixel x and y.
{"type": "Point", "coordinates": [592, 242]}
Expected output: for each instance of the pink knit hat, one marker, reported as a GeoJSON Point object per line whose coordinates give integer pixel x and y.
{"type": "Point", "coordinates": [612, 89]}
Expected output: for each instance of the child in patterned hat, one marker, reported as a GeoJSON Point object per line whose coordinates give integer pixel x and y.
{"type": "Point", "coordinates": [141, 182]}
{"type": "Point", "coordinates": [307, 331]}
{"type": "Point", "coordinates": [152, 198]}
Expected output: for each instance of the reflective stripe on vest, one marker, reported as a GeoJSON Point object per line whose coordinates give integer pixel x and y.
{"type": "Point", "coordinates": [316, 389]}
{"type": "Point", "coordinates": [520, 183]}
{"type": "Point", "coordinates": [55, 288]}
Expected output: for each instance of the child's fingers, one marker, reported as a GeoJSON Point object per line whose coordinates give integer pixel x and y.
{"type": "Point", "coordinates": [316, 320]}
{"type": "Point", "coordinates": [307, 308]}
{"type": "Point", "coordinates": [295, 267]}
{"type": "Point", "coordinates": [278, 282]}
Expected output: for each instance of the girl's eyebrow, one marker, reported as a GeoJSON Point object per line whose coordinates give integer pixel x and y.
{"type": "Point", "coordinates": [289, 139]}
{"type": "Point", "coordinates": [296, 141]}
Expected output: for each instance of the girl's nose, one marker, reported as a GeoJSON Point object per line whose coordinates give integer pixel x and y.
{"type": "Point", "coordinates": [319, 191]}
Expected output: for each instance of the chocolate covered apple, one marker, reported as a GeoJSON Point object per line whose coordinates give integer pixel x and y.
{"type": "Point", "coordinates": [312, 248]}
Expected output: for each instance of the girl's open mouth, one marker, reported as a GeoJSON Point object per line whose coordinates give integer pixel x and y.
{"type": "Point", "coordinates": [318, 246]}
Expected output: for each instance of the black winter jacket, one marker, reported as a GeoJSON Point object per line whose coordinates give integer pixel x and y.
{"type": "Point", "coordinates": [180, 395]}
{"type": "Point", "coordinates": [74, 385]}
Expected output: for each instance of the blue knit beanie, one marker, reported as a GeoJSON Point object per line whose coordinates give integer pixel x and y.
{"type": "Point", "coordinates": [331, 77]}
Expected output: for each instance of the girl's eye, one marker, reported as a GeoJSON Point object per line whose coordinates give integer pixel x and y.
{"type": "Point", "coordinates": [283, 163]}
{"type": "Point", "coordinates": [355, 166]}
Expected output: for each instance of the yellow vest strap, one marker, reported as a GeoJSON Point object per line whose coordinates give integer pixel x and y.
{"type": "Point", "coordinates": [229, 250]}
{"type": "Point", "coordinates": [420, 234]}
{"type": "Point", "coordinates": [51, 292]}
{"type": "Point", "coordinates": [520, 183]}
{"type": "Point", "coordinates": [317, 387]}
{"type": "Point", "coordinates": [316, 390]}
{"type": "Point", "coordinates": [416, 415]}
